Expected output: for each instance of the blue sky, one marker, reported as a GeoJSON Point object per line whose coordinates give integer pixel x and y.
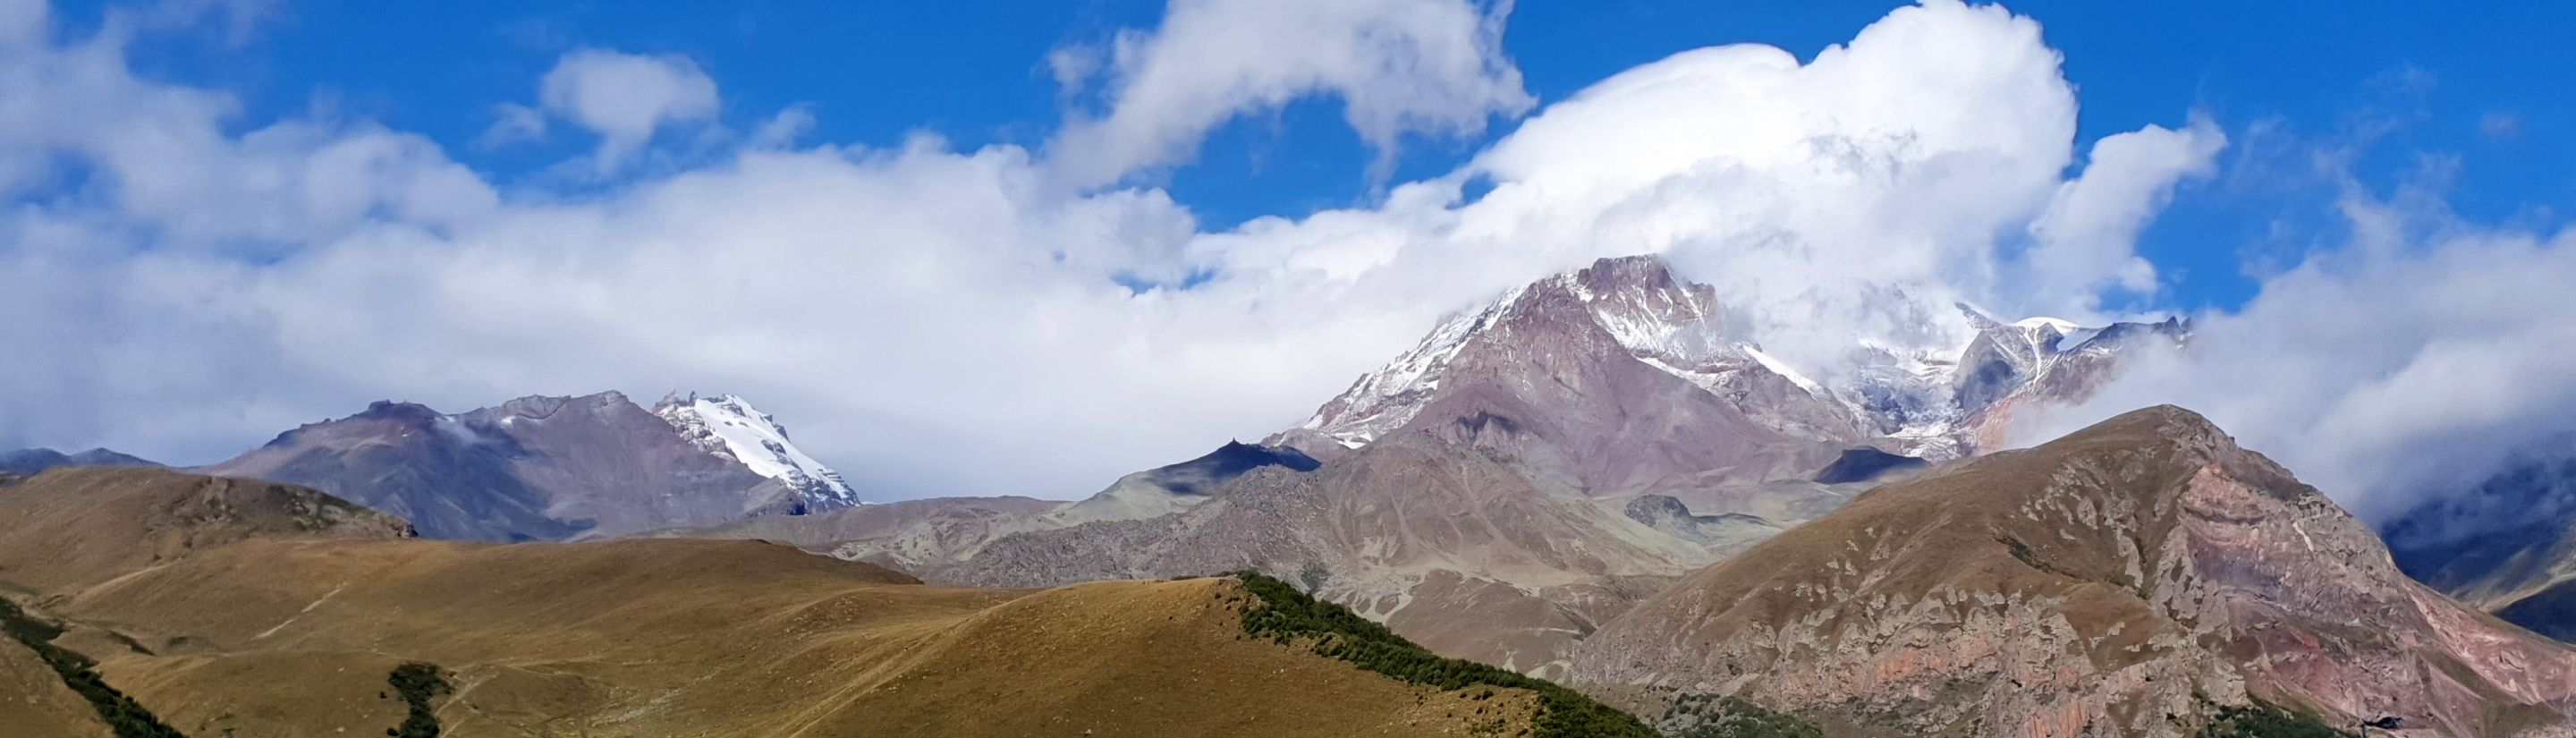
{"type": "Point", "coordinates": [2471, 99]}
{"type": "Point", "coordinates": [298, 209]}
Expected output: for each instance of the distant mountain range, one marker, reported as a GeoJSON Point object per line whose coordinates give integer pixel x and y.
{"type": "Point", "coordinates": [1533, 467]}
{"type": "Point", "coordinates": [2506, 544]}
{"type": "Point", "coordinates": [554, 468]}
{"type": "Point", "coordinates": [33, 460]}
{"type": "Point", "coordinates": [537, 468]}
{"type": "Point", "coordinates": [1592, 478]}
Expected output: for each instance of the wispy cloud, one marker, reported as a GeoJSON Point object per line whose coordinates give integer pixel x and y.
{"type": "Point", "coordinates": [2500, 125]}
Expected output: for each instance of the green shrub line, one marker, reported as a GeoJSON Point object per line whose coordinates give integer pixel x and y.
{"type": "Point", "coordinates": [1285, 615]}
{"type": "Point", "coordinates": [418, 683]}
{"type": "Point", "coordinates": [2266, 720]}
{"type": "Point", "coordinates": [1729, 716]}
{"type": "Point", "coordinates": [125, 716]}
{"type": "Point", "coordinates": [1288, 616]}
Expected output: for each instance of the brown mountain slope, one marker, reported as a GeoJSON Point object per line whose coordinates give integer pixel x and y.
{"type": "Point", "coordinates": [1444, 543]}
{"type": "Point", "coordinates": [677, 637]}
{"type": "Point", "coordinates": [293, 635]}
{"type": "Point", "coordinates": [929, 534]}
{"type": "Point", "coordinates": [907, 535]}
{"type": "Point", "coordinates": [78, 525]}
{"type": "Point", "coordinates": [2113, 582]}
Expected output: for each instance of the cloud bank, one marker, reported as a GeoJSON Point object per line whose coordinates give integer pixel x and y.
{"type": "Point", "coordinates": [2411, 362]}
{"type": "Point", "coordinates": [942, 321]}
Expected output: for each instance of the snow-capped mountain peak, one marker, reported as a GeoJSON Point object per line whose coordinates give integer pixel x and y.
{"type": "Point", "coordinates": [728, 426]}
{"type": "Point", "coordinates": [1930, 402]}
{"type": "Point", "coordinates": [1673, 325]}
{"type": "Point", "coordinates": [1386, 399]}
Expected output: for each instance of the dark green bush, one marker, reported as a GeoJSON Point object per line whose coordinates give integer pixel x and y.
{"type": "Point", "coordinates": [419, 684]}
{"type": "Point", "coordinates": [78, 672]}
{"type": "Point", "coordinates": [1287, 615]}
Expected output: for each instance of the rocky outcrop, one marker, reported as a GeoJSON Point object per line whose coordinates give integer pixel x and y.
{"type": "Point", "coordinates": [2119, 581]}
{"type": "Point", "coordinates": [1722, 534]}
{"type": "Point", "coordinates": [80, 525]}
{"type": "Point", "coordinates": [908, 535]}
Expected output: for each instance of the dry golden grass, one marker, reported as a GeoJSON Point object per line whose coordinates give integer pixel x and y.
{"type": "Point", "coordinates": [34, 702]}
{"type": "Point", "coordinates": [294, 636]}
{"type": "Point", "coordinates": [79, 525]}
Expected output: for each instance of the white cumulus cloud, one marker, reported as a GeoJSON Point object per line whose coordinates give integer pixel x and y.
{"type": "Point", "coordinates": [2091, 227]}
{"type": "Point", "coordinates": [625, 98]}
{"type": "Point", "coordinates": [1398, 66]}
{"type": "Point", "coordinates": [2408, 364]}
{"type": "Point", "coordinates": [938, 320]}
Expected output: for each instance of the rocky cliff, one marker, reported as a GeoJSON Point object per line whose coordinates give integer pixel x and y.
{"type": "Point", "coordinates": [2123, 580]}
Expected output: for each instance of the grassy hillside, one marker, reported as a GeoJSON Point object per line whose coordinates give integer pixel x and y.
{"type": "Point", "coordinates": [1288, 616]}
{"type": "Point", "coordinates": [121, 713]}
{"type": "Point", "coordinates": [248, 615]}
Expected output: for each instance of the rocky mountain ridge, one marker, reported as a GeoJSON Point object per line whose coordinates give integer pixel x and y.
{"type": "Point", "coordinates": [1930, 403]}
{"type": "Point", "coordinates": [36, 460]}
{"type": "Point", "coordinates": [1583, 328]}
{"type": "Point", "coordinates": [553, 468]}
{"type": "Point", "coordinates": [2122, 580]}
{"type": "Point", "coordinates": [1533, 466]}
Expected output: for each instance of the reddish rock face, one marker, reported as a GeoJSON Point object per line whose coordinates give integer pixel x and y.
{"type": "Point", "coordinates": [2114, 582]}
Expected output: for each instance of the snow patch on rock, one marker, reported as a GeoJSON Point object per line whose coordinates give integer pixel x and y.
{"type": "Point", "coordinates": [728, 426]}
